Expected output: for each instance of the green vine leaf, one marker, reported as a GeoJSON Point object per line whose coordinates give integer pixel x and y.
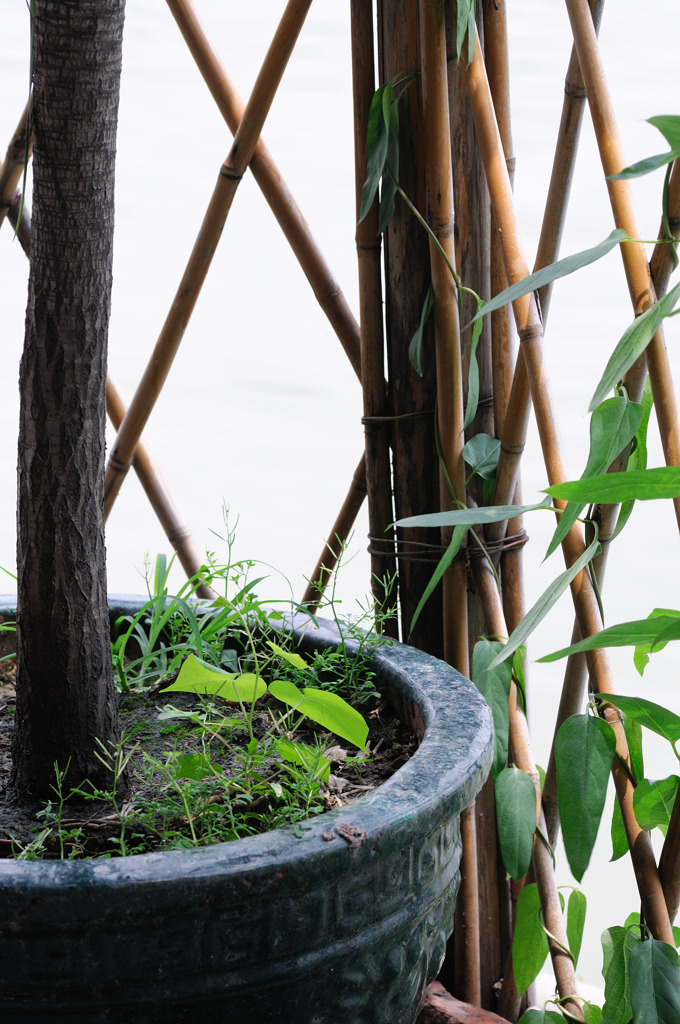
{"type": "Point", "coordinates": [445, 561]}
{"type": "Point", "coordinates": [612, 426]}
{"type": "Point", "coordinates": [634, 341]}
{"type": "Point", "coordinates": [545, 602]}
{"type": "Point", "coordinates": [669, 126]}
{"type": "Point", "coordinates": [638, 457]}
{"type": "Point", "coordinates": [653, 716]}
{"type": "Point", "coordinates": [618, 834]}
{"type": "Point", "coordinates": [542, 1016]}
{"type": "Point", "coordinates": [654, 983]}
{"type": "Point", "coordinates": [415, 349]}
{"type": "Point", "coordinates": [473, 374]}
{"type": "Point", "coordinates": [642, 651]}
{"type": "Point", "coordinates": [611, 488]}
{"type": "Point", "coordinates": [577, 906]}
{"type": "Point", "coordinates": [584, 750]}
{"type": "Point", "coordinates": [653, 802]}
{"type": "Point", "coordinates": [481, 454]}
{"type": "Point", "coordinates": [617, 946]}
{"type": "Point", "coordinates": [516, 819]}
{"type": "Point", "coordinates": [651, 632]}
{"type": "Point", "coordinates": [471, 516]}
{"type": "Point", "coordinates": [546, 275]}
{"type": "Point", "coordinates": [494, 686]}
{"type": "Point", "coordinates": [529, 943]}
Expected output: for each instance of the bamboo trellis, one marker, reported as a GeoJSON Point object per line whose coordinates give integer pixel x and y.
{"type": "Point", "coordinates": [443, 106]}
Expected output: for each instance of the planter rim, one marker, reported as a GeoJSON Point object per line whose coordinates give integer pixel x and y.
{"type": "Point", "coordinates": [445, 773]}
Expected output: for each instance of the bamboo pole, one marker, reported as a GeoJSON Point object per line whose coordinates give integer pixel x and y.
{"type": "Point", "coordinates": [148, 474]}
{"type": "Point", "coordinates": [340, 531]}
{"type": "Point", "coordinates": [274, 189]}
{"type": "Point", "coordinates": [573, 546]}
{"type": "Point", "coordinates": [368, 244]}
{"type": "Point", "coordinates": [541, 858]}
{"type": "Point", "coordinates": [230, 175]}
{"type": "Point", "coordinates": [12, 168]}
{"type": "Point", "coordinates": [634, 260]}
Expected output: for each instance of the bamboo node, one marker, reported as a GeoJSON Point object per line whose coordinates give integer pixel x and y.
{"type": "Point", "coordinates": [513, 449]}
{"type": "Point", "coordinates": [230, 173]}
{"type": "Point", "coordinates": [575, 90]}
{"type": "Point", "coordinates": [530, 331]}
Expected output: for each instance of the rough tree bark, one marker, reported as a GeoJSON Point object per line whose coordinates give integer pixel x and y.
{"type": "Point", "coordinates": [65, 693]}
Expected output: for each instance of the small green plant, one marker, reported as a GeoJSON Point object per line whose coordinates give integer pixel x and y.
{"type": "Point", "coordinates": [249, 743]}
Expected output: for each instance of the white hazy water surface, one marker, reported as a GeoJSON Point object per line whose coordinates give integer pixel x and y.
{"type": "Point", "coordinates": [261, 410]}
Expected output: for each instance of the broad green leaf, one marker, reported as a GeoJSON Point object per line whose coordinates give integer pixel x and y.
{"type": "Point", "coordinates": [617, 945]}
{"type": "Point", "coordinates": [444, 562]}
{"type": "Point", "coordinates": [471, 516]}
{"type": "Point", "coordinates": [195, 676]}
{"type": "Point", "coordinates": [634, 341]}
{"type": "Point", "coordinates": [481, 454]}
{"type": "Point", "coordinates": [545, 602]}
{"type": "Point", "coordinates": [624, 634]}
{"type": "Point", "coordinates": [191, 766]}
{"type": "Point", "coordinates": [376, 149]}
{"type": "Point", "coordinates": [642, 651]}
{"type": "Point", "coordinates": [638, 457]}
{"type": "Point", "coordinates": [653, 802]}
{"type": "Point", "coordinates": [650, 163]}
{"type": "Point", "coordinates": [611, 488]}
{"type": "Point", "coordinates": [294, 659]}
{"type": "Point", "coordinates": [325, 708]}
{"type": "Point", "coordinates": [584, 750]}
{"type": "Point", "coordinates": [552, 273]}
{"type": "Point", "coordinates": [542, 1016]}
{"type": "Point", "coordinates": [612, 426]}
{"type": "Point", "coordinates": [655, 983]}
{"type": "Point", "coordinates": [592, 1014]}
{"type": "Point", "coordinates": [473, 376]}
{"type": "Point", "coordinates": [576, 919]}
{"type": "Point", "coordinates": [529, 943]}
{"type": "Point", "coordinates": [654, 717]}
{"type": "Point", "coordinates": [669, 126]}
{"type": "Point", "coordinates": [618, 834]}
{"type": "Point", "coordinates": [494, 686]}
{"type": "Point", "coordinates": [305, 756]}
{"type": "Point", "coordinates": [516, 819]}
{"type": "Point", "coordinates": [415, 349]}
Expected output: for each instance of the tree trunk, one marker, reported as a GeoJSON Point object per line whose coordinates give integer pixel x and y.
{"type": "Point", "coordinates": [65, 693]}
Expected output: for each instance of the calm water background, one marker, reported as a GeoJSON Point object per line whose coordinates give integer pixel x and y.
{"type": "Point", "coordinates": [261, 411]}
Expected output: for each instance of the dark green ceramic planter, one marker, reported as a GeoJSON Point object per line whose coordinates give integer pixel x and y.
{"type": "Point", "coordinates": [272, 929]}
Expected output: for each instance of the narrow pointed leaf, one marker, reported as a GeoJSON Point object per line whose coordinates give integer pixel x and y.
{"type": "Point", "coordinates": [415, 349]}
{"type": "Point", "coordinates": [612, 488]}
{"type": "Point", "coordinates": [494, 686]}
{"type": "Point", "coordinates": [638, 457]}
{"type": "Point", "coordinates": [473, 377]}
{"type": "Point", "coordinates": [633, 343]}
{"type": "Point", "coordinates": [624, 634]}
{"type": "Point", "coordinates": [545, 602]}
{"type": "Point", "coordinates": [576, 919]}
{"type": "Point", "coordinates": [471, 516]}
{"type": "Point", "coordinates": [650, 163]}
{"type": "Point", "coordinates": [376, 150]}
{"type": "Point", "coordinates": [552, 273]}
{"type": "Point", "coordinates": [654, 983]}
{"type": "Point", "coordinates": [529, 942]}
{"type": "Point", "coordinates": [444, 562]}
{"type": "Point", "coordinates": [584, 749]}
{"type": "Point", "coordinates": [617, 945]}
{"type": "Point", "coordinates": [292, 657]}
{"type": "Point", "coordinates": [516, 819]}
{"type": "Point", "coordinates": [653, 802]}
{"type": "Point", "coordinates": [612, 426]}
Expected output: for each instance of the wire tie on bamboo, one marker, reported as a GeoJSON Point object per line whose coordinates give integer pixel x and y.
{"type": "Point", "coordinates": [393, 418]}
{"type": "Point", "coordinates": [510, 542]}
{"type": "Point", "coordinates": [423, 552]}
